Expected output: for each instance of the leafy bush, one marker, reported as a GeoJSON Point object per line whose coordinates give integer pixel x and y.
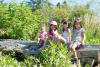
{"type": "Point", "coordinates": [8, 61]}
{"type": "Point", "coordinates": [56, 55]}
{"type": "Point", "coordinates": [19, 22]}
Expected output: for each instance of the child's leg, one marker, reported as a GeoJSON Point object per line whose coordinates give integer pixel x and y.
{"type": "Point", "coordinates": [73, 48]}
{"type": "Point", "coordinates": [42, 42]}
{"type": "Point", "coordinates": [61, 39]}
{"type": "Point", "coordinates": [55, 40]}
{"type": "Point", "coordinates": [39, 42]}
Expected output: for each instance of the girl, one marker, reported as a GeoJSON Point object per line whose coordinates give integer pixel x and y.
{"type": "Point", "coordinates": [78, 35]}
{"type": "Point", "coordinates": [53, 34]}
{"type": "Point", "coordinates": [66, 33]}
{"type": "Point", "coordinates": [42, 37]}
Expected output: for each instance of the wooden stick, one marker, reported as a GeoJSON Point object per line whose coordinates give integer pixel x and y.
{"type": "Point", "coordinates": [92, 63]}
{"type": "Point", "coordinates": [98, 58]}
{"type": "Point", "coordinates": [78, 61]}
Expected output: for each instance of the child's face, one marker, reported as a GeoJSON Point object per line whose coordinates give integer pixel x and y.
{"type": "Point", "coordinates": [43, 29]}
{"type": "Point", "coordinates": [77, 25]}
{"type": "Point", "coordinates": [53, 27]}
{"type": "Point", "coordinates": [65, 26]}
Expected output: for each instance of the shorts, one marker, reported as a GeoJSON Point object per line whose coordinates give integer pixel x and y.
{"type": "Point", "coordinates": [74, 43]}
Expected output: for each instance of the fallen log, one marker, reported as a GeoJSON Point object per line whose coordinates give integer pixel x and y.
{"type": "Point", "coordinates": [20, 47]}
{"type": "Point", "coordinates": [26, 48]}
{"type": "Point", "coordinates": [89, 54]}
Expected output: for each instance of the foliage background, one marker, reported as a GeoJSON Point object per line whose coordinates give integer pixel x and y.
{"type": "Point", "coordinates": [23, 21]}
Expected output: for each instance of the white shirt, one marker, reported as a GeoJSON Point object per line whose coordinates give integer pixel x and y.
{"type": "Point", "coordinates": [65, 35]}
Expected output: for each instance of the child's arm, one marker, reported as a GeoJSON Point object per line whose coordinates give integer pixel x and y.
{"type": "Point", "coordinates": [72, 34]}
{"type": "Point", "coordinates": [48, 36]}
{"type": "Point", "coordinates": [38, 40]}
{"type": "Point", "coordinates": [62, 33]}
{"type": "Point", "coordinates": [69, 36]}
{"type": "Point", "coordinates": [55, 33]}
{"type": "Point", "coordinates": [83, 38]}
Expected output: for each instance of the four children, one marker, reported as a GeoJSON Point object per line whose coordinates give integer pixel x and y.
{"type": "Point", "coordinates": [78, 34]}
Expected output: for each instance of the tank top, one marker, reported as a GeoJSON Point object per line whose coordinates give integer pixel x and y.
{"type": "Point", "coordinates": [65, 35]}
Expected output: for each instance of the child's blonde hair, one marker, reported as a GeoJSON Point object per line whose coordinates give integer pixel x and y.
{"type": "Point", "coordinates": [78, 20]}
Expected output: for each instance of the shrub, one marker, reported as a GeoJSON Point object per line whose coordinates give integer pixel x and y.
{"type": "Point", "coordinates": [19, 22]}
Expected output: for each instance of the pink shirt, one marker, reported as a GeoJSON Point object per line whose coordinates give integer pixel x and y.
{"type": "Point", "coordinates": [43, 35]}
{"type": "Point", "coordinates": [51, 34]}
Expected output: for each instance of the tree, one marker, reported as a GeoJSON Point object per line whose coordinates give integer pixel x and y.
{"type": "Point", "coordinates": [65, 5]}
{"type": "Point", "coordinates": [37, 4]}
{"type": "Point", "coordinates": [1, 1]}
{"type": "Point", "coordinates": [58, 5]}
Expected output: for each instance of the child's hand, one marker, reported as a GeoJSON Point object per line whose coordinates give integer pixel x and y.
{"type": "Point", "coordinates": [55, 33]}
{"type": "Point", "coordinates": [68, 43]}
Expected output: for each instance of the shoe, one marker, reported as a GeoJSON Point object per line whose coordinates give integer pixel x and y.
{"type": "Point", "coordinates": [38, 45]}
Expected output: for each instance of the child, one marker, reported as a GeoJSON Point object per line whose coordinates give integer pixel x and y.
{"type": "Point", "coordinates": [42, 37]}
{"type": "Point", "coordinates": [53, 34]}
{"type": "Point", "coordinates": [78, 35]}
{"type": "Point", "coordinates": [66, 33]}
